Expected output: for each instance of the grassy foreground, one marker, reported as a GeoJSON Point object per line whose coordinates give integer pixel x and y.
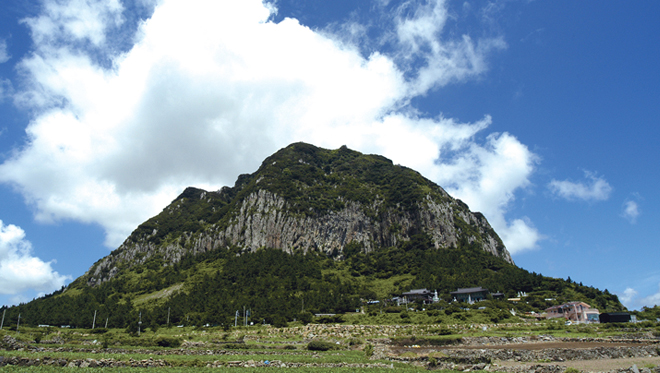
{"type": "Point", "coordinates": [299, 348]}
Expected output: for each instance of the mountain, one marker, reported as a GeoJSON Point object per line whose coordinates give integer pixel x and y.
{"type": "Point", "coordinates": [314, 229]}
{"type": "Point", "coordinates": [304, 198]}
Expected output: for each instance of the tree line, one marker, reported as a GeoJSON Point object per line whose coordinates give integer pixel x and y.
{"type": "Point", "coordinates": [275, 287]}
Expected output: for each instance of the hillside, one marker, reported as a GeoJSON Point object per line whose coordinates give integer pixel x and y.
{"type": "Point", "coordinates": [312, 229]}
{"type": "Point", "coordinates": [302, 199]}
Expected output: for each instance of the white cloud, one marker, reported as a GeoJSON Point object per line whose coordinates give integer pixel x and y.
{"type": "Point", "coordinates": [441, 62]}
{"type": "Point", "coordinates": [651, 300]}
{"type": "Point", "coordinates": [628, 296]}
{"type": "Point", "coordinates": [19, 269]}
{"type": "Point", "coordinates": [630, 211]}
{"type": "Point", "coordinates": [595, 189]}
{"type": "Point", "coordinates": [486, 177]}
{"type": "Point", "coordinates": [210, 88]}
{"type": "Point", "coordinates": [4, 55]}
{"type": "Point", "coordinates": [75, 20]}
{"type": "Point", "coordinates": [631, 299]}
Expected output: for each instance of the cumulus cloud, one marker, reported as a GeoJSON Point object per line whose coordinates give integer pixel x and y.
{"type": "Point", "coordinates": [210, 88]}
{"type": "Point", "coordinates": [19, 269]}
{"type": "Point", "coordinates": [486, 176]}
{"type": "Point", "coordinates": [632, 299]}
{"type": "Point", "coordinates": [652, 300]}
{"type": "Point", "coordinates": [595, 188]}
{"type": "Point", "coordinates": [630, 211]}
{"type": "Point", "coordinates": [627, 297]}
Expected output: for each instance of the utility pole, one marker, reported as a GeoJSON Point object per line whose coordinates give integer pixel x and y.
{"type": "Point", "coordinates": [94, 321]}
{"type": "Point", "coordinates": [168, 316]}
{"type": "Point", "coordinates": [3, 319]}
{"type": "Point", "coordinates": [236, 319]}
{"type": "Point", "coordinates": [244, 317]}
{"type": "Point", "coordinates": [106, 322]}
{"type": "Point", "coordinates": [140, 324]}
{"type": "Point", "coordinates": [18, 323]}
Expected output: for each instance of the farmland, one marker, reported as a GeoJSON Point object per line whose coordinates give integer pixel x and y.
{"type": "Point", "coordinates": [330, 347]}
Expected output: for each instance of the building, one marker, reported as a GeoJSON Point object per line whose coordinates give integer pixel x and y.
{"type": "Point", "coordinates": [469, 295]}
{"type": "Point", "coordinates": [414, 295]}
{"type": "Point", "coordinates": [579, 312]}
{"type": "Point", "coordinates": [614, 317]}
{"type": "Point", "coordinates": [498, 295]}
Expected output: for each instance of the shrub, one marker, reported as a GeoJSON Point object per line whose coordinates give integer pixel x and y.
{"type": "Point", "coordinates": [354, 342]}
{"type": "Point", "coordinates": [99, 331]}
{"type": "Point", "coordinates": [335, 319]}
{"type": "Point", "coordinates": [106, 341]}
{"type": "Point", "coordinates": [320, 346]}
{"type": "Point", "coordinates": [279, 321]}
{"type": "Point", "coordinates": [444, 331]}
{"type": "Point", "coordinates": [306, 317]}
{"type": "Point", "coordinates": [368, 350]}
{"type": "Point", "coordinates": [236, 346]}
{"type": "Point", "coordinates": [163, 341]}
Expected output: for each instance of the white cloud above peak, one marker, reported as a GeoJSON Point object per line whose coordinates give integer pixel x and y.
{"type": "Point", "coordinates": [210, 88]}
{"type": "Point", "coordinates": [595, 188]}
{"type": "Point", "coordinates": [419, 38]}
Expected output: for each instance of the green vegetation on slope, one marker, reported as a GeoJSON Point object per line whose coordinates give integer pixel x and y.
{"type": "Point", "coordinates": [276, 287]}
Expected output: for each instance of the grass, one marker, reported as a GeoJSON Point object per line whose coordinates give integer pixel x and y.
{"type": "Point", "coordinates": [356, 326]}
{"type": "Point", "coordinates": [397, 368]}
{"type": "Point", "coordinates": [329, 357]}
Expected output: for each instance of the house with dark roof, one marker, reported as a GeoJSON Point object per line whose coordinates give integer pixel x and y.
{"type": "Point", "coordinates": [469, 295]}
{"type": "Point", "coordinates": [418, 295]}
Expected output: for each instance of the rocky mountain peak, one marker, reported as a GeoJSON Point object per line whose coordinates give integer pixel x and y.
{"type": "Point", "coordinates": [301, 199]}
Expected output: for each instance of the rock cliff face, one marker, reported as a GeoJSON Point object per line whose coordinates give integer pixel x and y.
{"type": "Point", "coordinates": [254, 215]}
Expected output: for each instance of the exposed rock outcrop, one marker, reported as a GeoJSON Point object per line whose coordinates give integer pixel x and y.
{"type": "Point", "coordinates": [262, 221]}
{"type": "Point", "coordinates": [305, 199]}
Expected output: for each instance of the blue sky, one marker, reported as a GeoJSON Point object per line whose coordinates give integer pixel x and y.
{"type": "Point", "coordinates": [542, 115]}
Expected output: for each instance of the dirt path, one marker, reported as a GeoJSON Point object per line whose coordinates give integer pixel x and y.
{"type": "Point", "coordinates": [423, 350]}
{"type": "Point", "coordinates": [600, 365]}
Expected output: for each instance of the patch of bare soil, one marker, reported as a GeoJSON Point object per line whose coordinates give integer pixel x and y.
{"type": "Point", "coordinates": [596, 356]}
{"type": "Point", "coordinates": [598, 365]}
